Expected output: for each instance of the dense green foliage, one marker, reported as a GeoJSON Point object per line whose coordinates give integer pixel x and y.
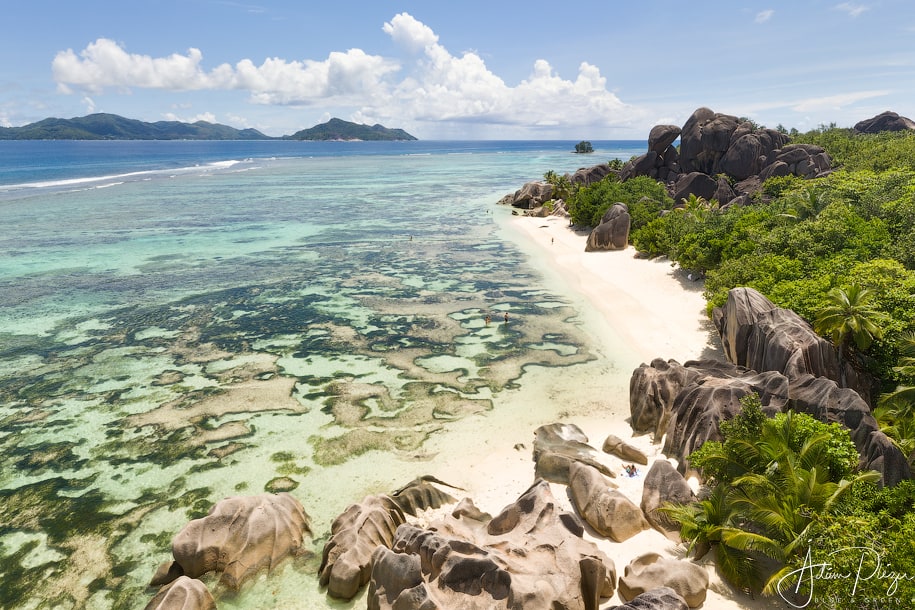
{"type": "Point", "coordinates": [856, 151]}
{"type": "Point", "coordinates": [771, 481]}
{"type": "Point", "coordinates": [867, 546]}
{"type": "Point", "coordinates": [584, 147]}
{"type": "Point", "coordinates": [644, 197]}
{"type": "Point", "coordinates": [839, 251]}
{"type": "Point", "coordinates": [113, 127]}
{"type": "Point", "coordinates": [338, 129]}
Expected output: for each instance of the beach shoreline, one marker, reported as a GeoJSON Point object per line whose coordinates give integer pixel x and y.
{"type": "Point", "coordinates": [646, 309]}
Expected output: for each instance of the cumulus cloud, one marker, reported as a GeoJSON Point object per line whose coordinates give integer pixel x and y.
{"type": "Point", "coordinates": [433, 85]}
{"type": "Point", "coordinates": [764, 16]}
{"type": "Point", "coordinates": [105, 64]}
{"type": "Point", "coordinates": [410, 33]}
{"type": "Point", "coordinates": [852, 9]}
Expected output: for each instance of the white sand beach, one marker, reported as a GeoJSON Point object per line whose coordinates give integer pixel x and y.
{"type": "Point", "coordinates": [648, 308]}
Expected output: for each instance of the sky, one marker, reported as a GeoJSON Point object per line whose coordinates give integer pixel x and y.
{"type": "Point", "coordinates": [593, 70]}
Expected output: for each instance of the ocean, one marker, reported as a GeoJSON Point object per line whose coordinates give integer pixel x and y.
{"type": "Point", "coordinates": [186, 321]}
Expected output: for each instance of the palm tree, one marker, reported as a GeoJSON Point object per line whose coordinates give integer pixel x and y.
{"type": "Point", "coordinates": [806, 204]}
{"type": "Point", "coordinates": [772, 480]}
{"type": "Point", "coordinates": [849, 318]}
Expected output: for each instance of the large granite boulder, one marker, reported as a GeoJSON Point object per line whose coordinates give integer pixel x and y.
{"type": "Point", "coordinates": [823, 399]}
{"type": "Point", "coordinates": [423, 493]}
{"type": "Point", "coordinates": [652, 391]}
{"type": "Point", "coordinates": [608, 511]}
{"type": "Point", "coordinates": [586, 176]}
{"type": "Point", "coordinates": [757, 334]}
{"type": "Point", "coordinates": [699, 408]}
{"type": "Point", "coordinates": [651, 571]}
{"type": "Point", "coordinates": [346, 563]}
{"type": "Point", "coordinates": [662, 598]}
{"type": "Point", "coordinates": [885, 121]}
{"type": "Point", "coordinates": [694, 183]}
{"type": "Point", "coordinates": [663, 484]}
{"type": "Point", "coordinates": [557, 446]}
{"type": "Point", "coordinates": [240, 536]}
{"type": "Point", "coordinates": [613, 231]}
{"type": "Point", "coordinates": [532, 195]}
{"type": "Point", "coordinates": [714, 144]}
{"type": "Point", "coordinates": [529, 556]}
{"type": "Point", "coordinates": [184, 593]}
{"type": "Point", "coordinates": [661, 137]}
{"type": "Point", "coordinates": [704, 139]}
{"type": "Point", "coordinates": [614, 445]}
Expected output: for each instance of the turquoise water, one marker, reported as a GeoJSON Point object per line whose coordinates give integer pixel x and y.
{"type": "Point", "coordinates": [180, 323]}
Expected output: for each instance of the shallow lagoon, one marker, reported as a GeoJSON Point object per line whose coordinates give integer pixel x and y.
{"type": "Point", "coordinates": [316, 323]}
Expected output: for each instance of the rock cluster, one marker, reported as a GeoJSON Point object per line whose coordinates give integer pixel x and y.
{"type": "Point", "coordinates": [531, 555]}
{"type": "Point", "coordinates": [885, 121]}
{"type": "Point", "coordinates": [712, 144]}
{"type": "Point", "coordinates": [796, 370]}
{"type": "Point", "coordinates": [531, 195]}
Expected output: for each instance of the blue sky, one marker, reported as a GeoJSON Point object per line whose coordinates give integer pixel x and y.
{"type": "Point", "coordinates": [459, 70]}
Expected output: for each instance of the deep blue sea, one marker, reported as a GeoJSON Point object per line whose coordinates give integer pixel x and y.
{"type": "Point", "coordinates": [184, 321]}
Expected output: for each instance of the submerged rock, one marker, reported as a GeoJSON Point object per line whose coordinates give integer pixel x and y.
{"type": "Point", "coordinates": [240, 536]}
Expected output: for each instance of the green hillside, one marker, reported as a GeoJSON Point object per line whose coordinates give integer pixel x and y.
{"type": "Point", "coordinates": [338, 129]}
{"type": "Point", "coordinates": [103, 126]}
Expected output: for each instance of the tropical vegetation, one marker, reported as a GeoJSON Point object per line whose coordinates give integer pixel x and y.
{"type": "Point", "coordinates": [584, 147]}
{"type": "Point", "coordinates": [771, 481]}
{"type": "Point", "coordinates": [840, 251]}
{"type": "Point", "coordinates": [802, 243]}
{"type": "Point", "coordinates": [104, 126]}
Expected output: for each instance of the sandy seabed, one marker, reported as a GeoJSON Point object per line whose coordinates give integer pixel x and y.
{"type": "Point", "coordinates": [633, 310]}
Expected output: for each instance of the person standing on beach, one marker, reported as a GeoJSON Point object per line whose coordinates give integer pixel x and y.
{"type": "Point", "coordinates": [506, 317]}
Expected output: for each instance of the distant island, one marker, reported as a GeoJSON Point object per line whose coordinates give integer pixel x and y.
{"type": "Point", "coordinates": [103, 126]}
{"type": "Point", "coordinates": [337, 129]}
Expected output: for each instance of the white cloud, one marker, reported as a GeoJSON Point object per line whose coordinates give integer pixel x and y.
{"type": "Point", "coordinates": [105, 64]}
{"type": "Point", "coordinates": [209, 117]}
{"type": "Point", "coordinates": [408, 32]}
{"type": "Point", "coordinates": [852, 9]}
{"type": "Point", "coordinates": [434, 86]}
{"type": "Point", "coordinates": [89, 103]}
{"type": "Point", "coordinates": [764, 16]}
{"type": "Point", "coordinates": [836, 102]}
